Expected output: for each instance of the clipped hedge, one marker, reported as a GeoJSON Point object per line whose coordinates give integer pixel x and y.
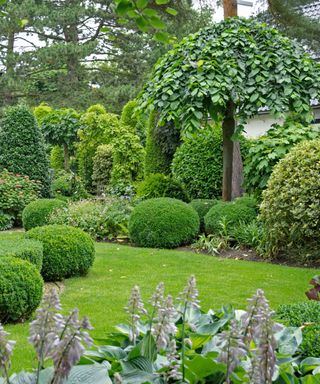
{"type": "Point", "coordinates": [305, 314]}
{"type": "Point", "coordinates": [290, 210]}
{"type": "Point", "coordinates": [21, 287]}
{"type": "Point", "coordinates": [37, 213]}
{"type": "Point", "coordinates": [163, 223]}
{"type": "Point", "coordinates": [26, 249]}
{"type": "Point", "coordinates": [225, 216]}
{"type": "Point", "coordinates": [202, 206]}
{"type": "Point", "coordinates": [67, 251]}
{"type": "Point", "coordinates": [159, 185]}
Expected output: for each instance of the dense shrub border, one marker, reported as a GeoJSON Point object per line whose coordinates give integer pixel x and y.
{"type": "Point", "coordinates": [21, 287]}
{"type": "Point", "coordinates": [163, 223]}
{"type": "Point", "coordinates": [26, 249]}
{"type": "Point", "coordinates": [37, 213]}
{"type": "Point", "coordinates": [67, 251]}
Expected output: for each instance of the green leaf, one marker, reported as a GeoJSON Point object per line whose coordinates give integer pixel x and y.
{"type": "Point", "coordinates": [142, 24]}
{"type": "Point", "coordinates": [201, 367]}
{"type": "Point", "coordinates": [160, 2]}
{"type": "Point", "coordinates": [149, 12]}
{"type": "Point", "coordinates": [123, 7]}
{"type": "Point", "coordinates": [142, 3]}
{"type": "Point", "coordinates": [163, 37]}
{"type": "Point", "coordinates": [156, 22]}
{"type": "Point", "coordinates": [171, 11]}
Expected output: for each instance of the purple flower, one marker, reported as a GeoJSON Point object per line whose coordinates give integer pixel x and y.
{"type": "Point", "coordinates": [6, 348]}
{"type": "Point", "coordinates": [135, 308]}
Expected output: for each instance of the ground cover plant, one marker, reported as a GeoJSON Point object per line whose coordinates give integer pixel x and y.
{"type": "Point", "coordinates": [103, 292]}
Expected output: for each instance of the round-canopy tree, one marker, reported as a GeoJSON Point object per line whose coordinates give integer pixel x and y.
{"type": "Point", "coordinates": [231, 69]}
{"type": "Point", "coordinates": [60, 127]}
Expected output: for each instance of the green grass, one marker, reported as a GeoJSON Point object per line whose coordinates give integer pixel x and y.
{"type": "Point", "coordinates": [103, 293]}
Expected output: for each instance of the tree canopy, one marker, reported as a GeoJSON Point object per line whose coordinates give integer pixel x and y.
{"type": "Point", "coordinates": [240, 61]}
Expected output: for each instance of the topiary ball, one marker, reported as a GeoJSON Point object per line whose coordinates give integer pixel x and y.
{"type": "Point", "coordinates": [26, 249]}
{"type": "Point", "coordinates": [202, 206]}
{"type": "Point", "coordinates": [290, 210]}
{"type": "Point", "coordinates": [21, 287]}
{"type": "Point", "coordinates": [224, 216]}
{"type": "Point", "coordinates": [37, 213]}
{"type": "Point", "coordinates": [67, 251]}
{"type": "Point", "coordinates": [163, 223]}
{"type": "Point", "coordinates": [159, 185]}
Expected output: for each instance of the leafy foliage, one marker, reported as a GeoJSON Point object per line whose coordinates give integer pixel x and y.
{"type": "Point", "coordinates": [231, 61]}
{"type": "Point", "coordinates": [131, 119]}
{"type": "Point", "coordinates": [37, 213]}
{"type": "Point", "coordinates": [307, 316]}
{"type": "Point", "coordinates": [223, 217]}
{"type": "Point", "coordinates": [105, 128]}
{"type": "Point", "coordinates": [22, 146]}
{"type": "Point", "coordinates": [102, 167]}
{"type": "Point", "coordinates": [291, 203]}
{"type": "Point", "coordinates": [6, 221]}
{"type": "Point", "coordinates": [16, 191]}
{"type": "Point", "coordinates": [162, 142]}
{"type": "Point", "coordinates": [21, 288]}
{"type": "Point", "coordinates": [202, 206]}
{"type": "Point", "coordinates": [267, 150]}
{"type": "Point", "coordinates": [198, 165]}
{"type": "Point", "coordinates": [56, 158]}
{"type": "Point", "coordinates": [67, 251]}
{"type": "Point", "coordinates": [102, 219]}
{"type": "Point", "coordinates": [314, 292]}
{"type": "Point", "coordinates": [26, 249]}
{"type": "Point", "coordinates": [163, 223]}
{"type": "Point", "coordinates": [69, 185]}
{"type": "Point", "coordinates": [159, 185]}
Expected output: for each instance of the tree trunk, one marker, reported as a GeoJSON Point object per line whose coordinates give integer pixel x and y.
{"type": "Point", "coordinates": [228, 128]}
{"type": "Point", "coordinates": [232, 161]}
{"type": "Point", "coordinates": [230, 8]}
{"type": "Point", "coordinates": [66, 157]}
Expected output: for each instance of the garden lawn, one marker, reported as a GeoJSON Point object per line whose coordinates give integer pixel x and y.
{"type": "Point", "coordinates": [104, 292]}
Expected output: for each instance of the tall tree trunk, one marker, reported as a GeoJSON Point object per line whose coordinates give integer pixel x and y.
{"type": "Point", "coordinates": [232, 162]}
{"type": "Point", "coordinates": [66, 157]}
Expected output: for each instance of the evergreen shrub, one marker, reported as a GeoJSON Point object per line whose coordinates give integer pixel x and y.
{"type": "Point", "coordinates": [37, 213]}
{"type": "Point", "coordinates": [67, 251]}
{"type": "Point", "coordinates": [224, 216]}
{"type": "Point", "coordinates": [26, 249]}
{"type": "Point", "coordinates": [202, 206]}
{"type": "Point", "coordinates": [159, 185]}
{"type": "Point", "coordinates": [22, 146]}
{"type": "Point", "coordinates": [290, 209]}
{"type": "Point", "coordinates": [21, 287]}
{"type": "Point", "coordinates": [163, 223]}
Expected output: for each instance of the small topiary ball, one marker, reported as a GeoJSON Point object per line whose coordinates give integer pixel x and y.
{"type": "Point", "coordinates": [202, 206]}
{"type": "Point", "coordinates": [225, 216]}
{"type": "Point", "coordinates": [159, 185]}
{"type": "Point", "coordinates": [163, 223]}
{"type": "Point", "coordinates": [21, 287]}
{"type": "Point", "coordinates": [37, 213]}
{"type": "Point", "coordinates": [67, 251]}
{"type": "Point", "coordinates": [290, 210]}
{"type": "Point", "coordinates": [26, 249]}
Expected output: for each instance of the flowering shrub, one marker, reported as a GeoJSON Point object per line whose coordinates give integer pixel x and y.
{"type": "Point", "coordinates": [168, 341]}
{"type": "Point", "coordinates": [102, 219]}
{"type": "Point", "coordinates": [16, 191]}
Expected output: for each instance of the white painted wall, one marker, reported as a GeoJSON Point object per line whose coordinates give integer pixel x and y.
{"type": "Point", "coordinates": [262, 122]}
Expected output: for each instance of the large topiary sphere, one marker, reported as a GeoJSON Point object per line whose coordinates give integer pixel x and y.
{"type": "Point", "coordinates": [159, 185]}
{"type": "Point", "coordinates": [26, 249]}
{"type": "Point", "coordinates": [37, 213]}
{"type": "Point", "coordinates": [67, 251]}
{"type": "Point", "coordinates": [290, 209]}
{"type": "Point", "coordinates": [21, 287]}
{"type": "Point", "coordinates": [163, 223]}
{"type": "Point", "coordinates": [225, 216]}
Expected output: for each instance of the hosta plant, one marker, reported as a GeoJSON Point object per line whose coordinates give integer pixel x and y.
{"type": "Point", "coordinates": [173, 341]}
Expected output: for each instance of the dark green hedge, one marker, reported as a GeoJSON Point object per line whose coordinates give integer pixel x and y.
{"type": "Point", "coordinates": [67, 251]}
{"type": "Point", "coordinates": [159, 185]}
{"type": "Point", "coordinates": [37, 213]}
{"type": "Point", "coordinates": [225, 216]}
{"type": "Point", "coordinates": [202, 206]}
{"type": "Point", "coordinates": [22, 146]}
{"type": "Point", "coordinates": [26, 249]}
{"type": "Point", "coordinates": [21, 287]}
{"type": "Point", "coordinates": [163, 223]}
